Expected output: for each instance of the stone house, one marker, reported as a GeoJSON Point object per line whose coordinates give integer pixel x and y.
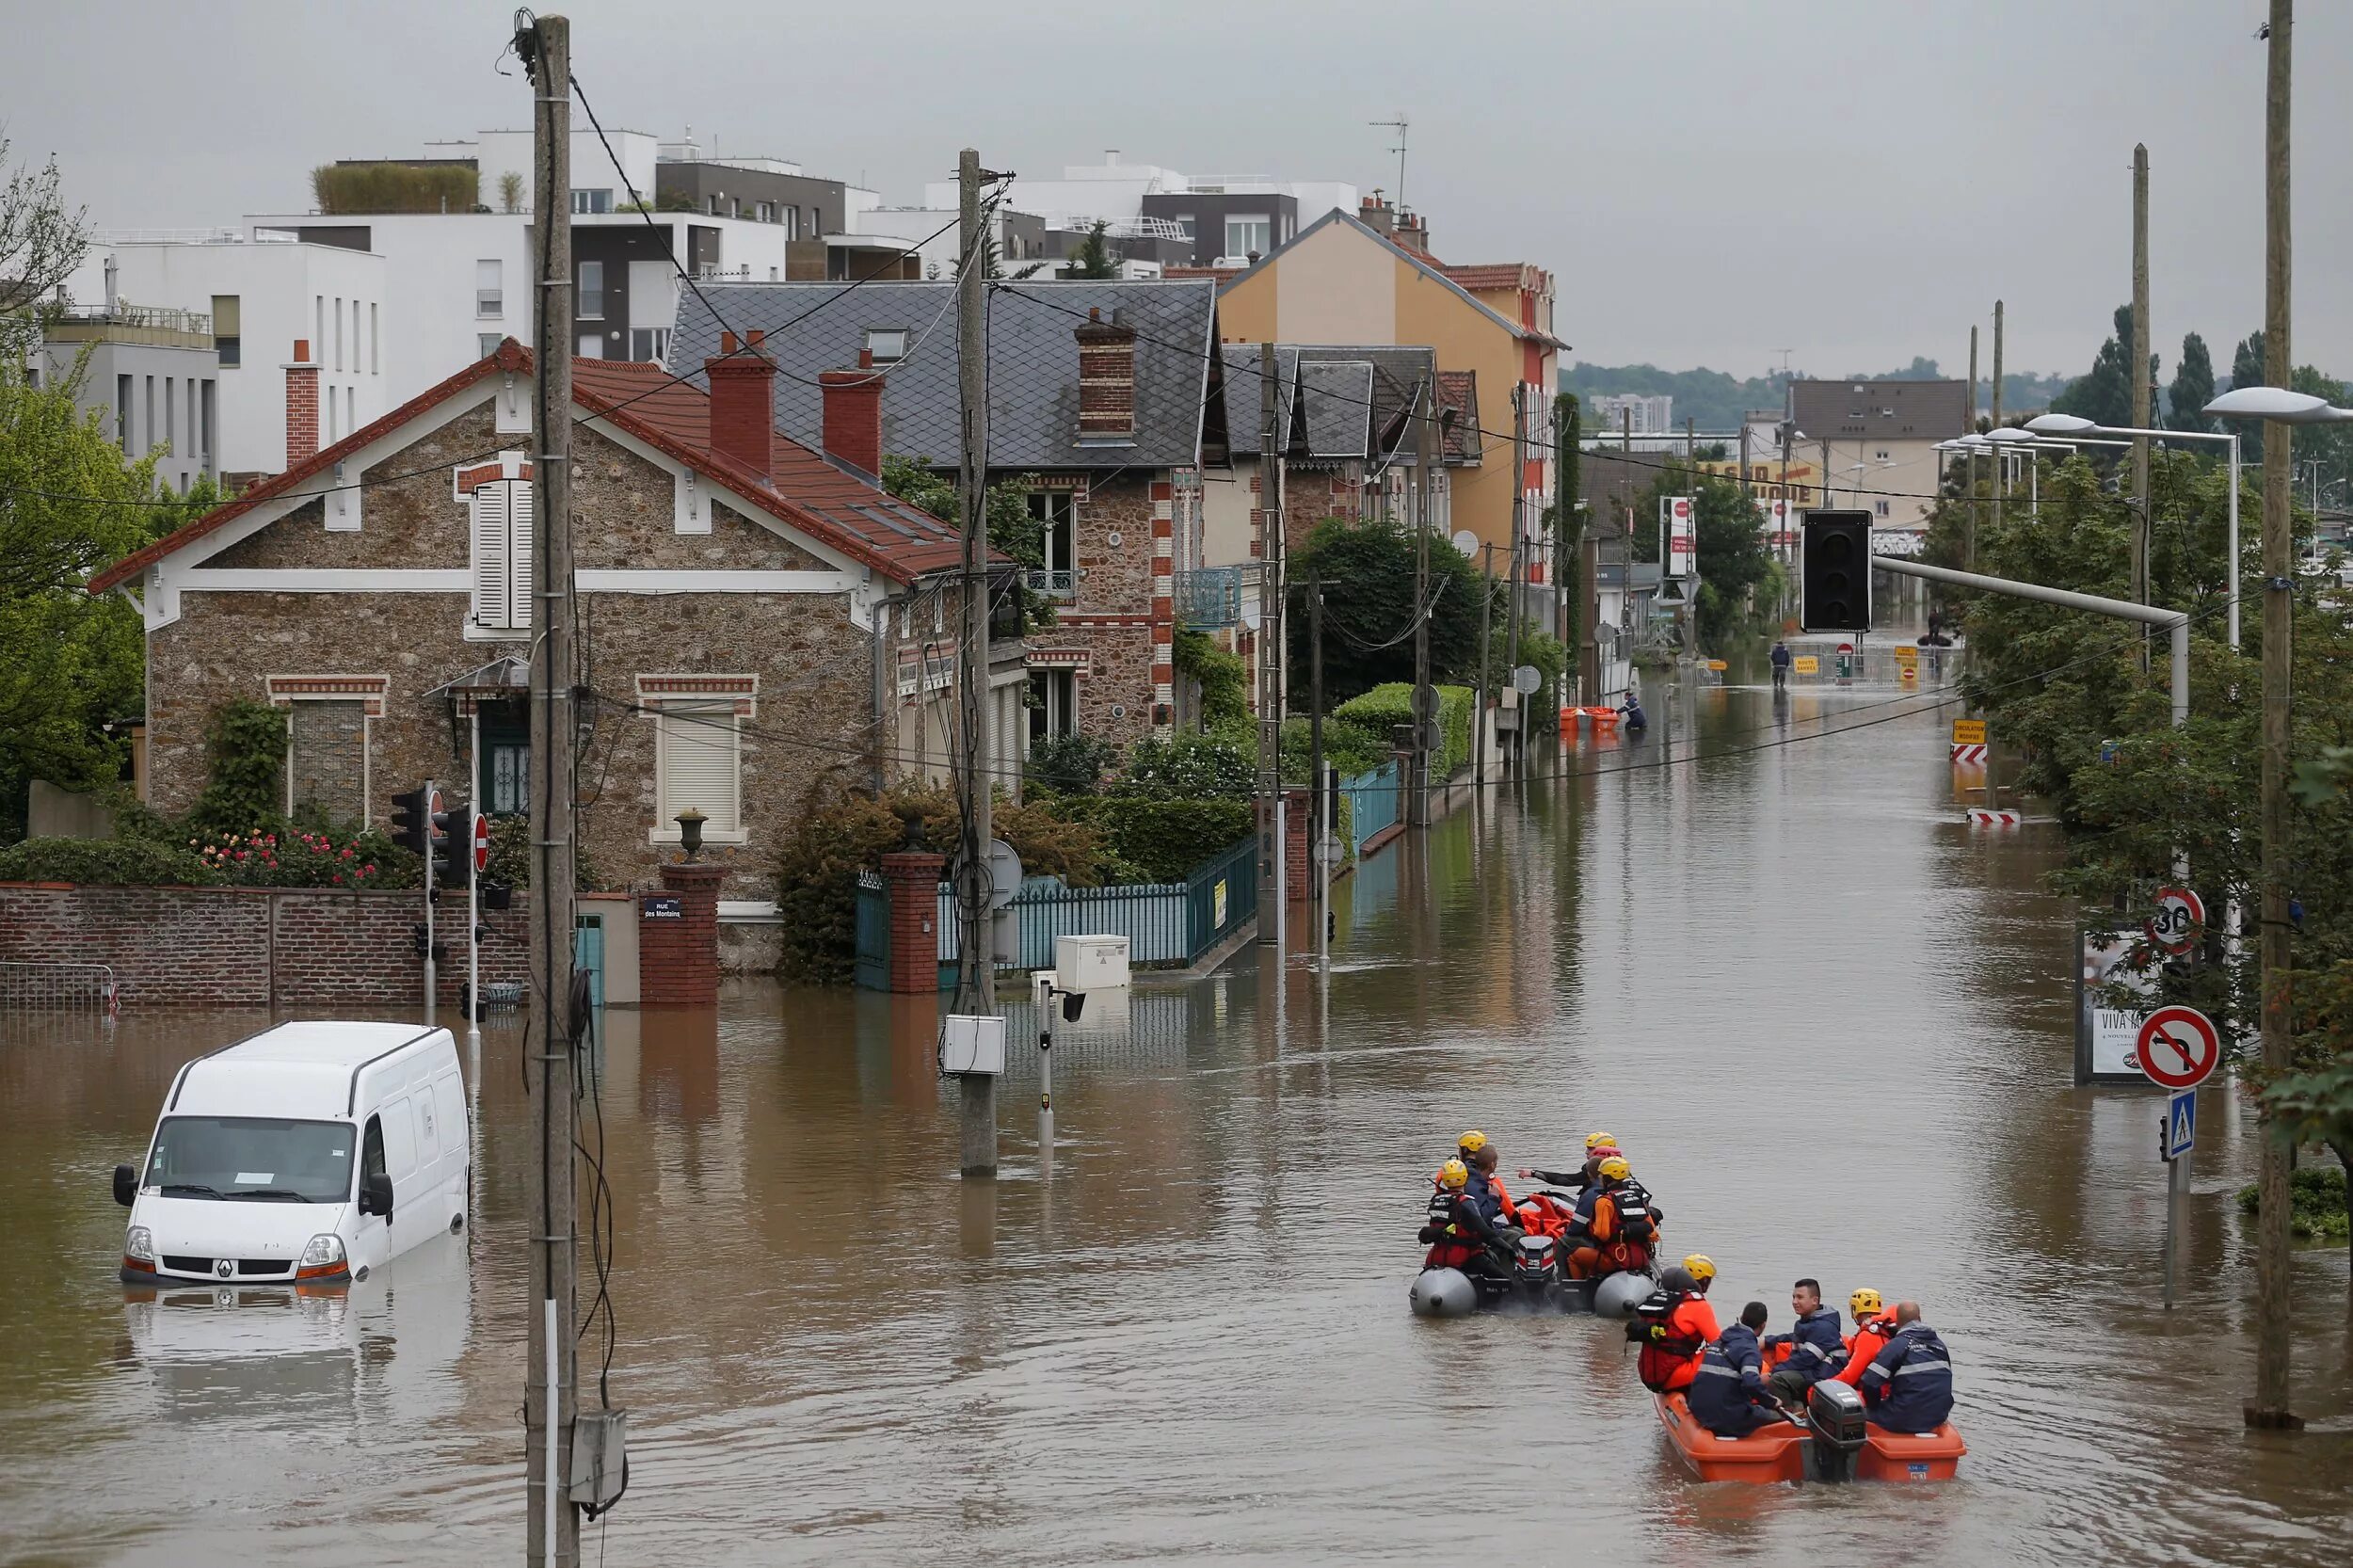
{"type": "Point", "coordinates": [757, 623]}
{"type": "Point", "coordinates": [1105, 396]}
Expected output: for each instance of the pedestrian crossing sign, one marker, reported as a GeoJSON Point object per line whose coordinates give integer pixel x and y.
{"type": "Point", "coordinates": [2181, 1123]}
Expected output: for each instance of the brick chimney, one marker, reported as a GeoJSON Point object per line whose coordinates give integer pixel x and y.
{"type": "Point", "coordinates": [1106, 377]}
{"type": "Point", "coordinates": [1375, 212]}
{"type": "Point", "coordinates": [1413, 231]}
{"type": "Point", "coordinates": [302, 405]}
{"type": "Point", "coordinates": [743, 403]}
{"type": "Point", "coordinates": [854, 414]}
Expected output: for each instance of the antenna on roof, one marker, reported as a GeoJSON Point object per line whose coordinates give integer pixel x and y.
{"type": "Point", "coordinates": [1397, 125]}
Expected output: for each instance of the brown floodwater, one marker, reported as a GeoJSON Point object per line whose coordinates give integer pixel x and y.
{"type": "Point", "coordinates": [1831, 1025]}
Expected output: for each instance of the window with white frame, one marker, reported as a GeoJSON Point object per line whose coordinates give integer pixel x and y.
{"type": "Point", "coordinates": [598, 200]}
{"type": "Point", "coordinates": [502, 529]}
{"type": "Point", "coordinates": [1247, 233]}
{"type": "Point", "coordinates": [887, 345]}
{"type": "Point", "coordinates": [490, 297]}
{"type": "Point", "coordinates": [698, 751]}
{"type": "Point", "coordinates": [486, 344]}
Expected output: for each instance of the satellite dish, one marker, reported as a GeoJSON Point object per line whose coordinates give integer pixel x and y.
{"type": "Point", "coordinates": [1466, 541]}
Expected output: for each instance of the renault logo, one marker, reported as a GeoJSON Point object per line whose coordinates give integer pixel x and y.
{"type": "Point", "coordinates": [224, 1267]}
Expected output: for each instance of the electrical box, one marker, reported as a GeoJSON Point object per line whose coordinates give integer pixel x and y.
{"type": "Point", "coordinates": [1090, 963]}
{"type": "Point", "coordinates": [598, 1457]}
{"type": "Point", "coordinates": [972, 1043]}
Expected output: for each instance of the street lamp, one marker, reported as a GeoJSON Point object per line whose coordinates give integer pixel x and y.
{"type": "Point", "coordinates": [2272, 403]}
{"type": "Point", "coordinates": [2076, 424]}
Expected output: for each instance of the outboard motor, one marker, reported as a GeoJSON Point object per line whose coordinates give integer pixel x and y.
{"type": "Point", "coordinates": [1442, 1294]}
{"type": "Point", "coordinates": [1536, 1268]}
{"type": "Point", "coordinates": [1619, 1294]}
{"type": "Point", "coordinates": [1835, 1414]}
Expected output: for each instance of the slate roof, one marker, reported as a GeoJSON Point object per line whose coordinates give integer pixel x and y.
{"type": "Point", "coordinates": [810, 493]}
{"type": "Point", "coordinates": [1033, 363]}
{"type": "Point", "coordinates": [1888, 411]}
{"type": "Point", "coordinates": [1344, 400]}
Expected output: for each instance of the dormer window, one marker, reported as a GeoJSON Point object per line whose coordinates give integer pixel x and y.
{"type": "Point", "coordinates": [887, 345]}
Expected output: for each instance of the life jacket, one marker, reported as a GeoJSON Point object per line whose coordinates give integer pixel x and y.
{"type": "Point", "coordinates": [1637, 1224]}
{"type": "Point", "coordinates": [1504, 1206]}
{"type": "Point", "coordinates": [1869, 1337]}
{"type": "Point", "coordinates": [1453, 1243]}
{"type": "Point", "coordinates": [1671, 1337]}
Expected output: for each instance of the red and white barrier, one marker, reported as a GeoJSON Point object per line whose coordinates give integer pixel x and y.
{"type": "Point", "coordinates": [1982, 817]}
{"type": "Point", "coordinates": [1969, 756]}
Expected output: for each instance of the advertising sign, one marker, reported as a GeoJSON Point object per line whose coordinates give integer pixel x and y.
{"type": "Point", "coordinates": [1680, 527]}
{"type": "Point", "coordinates": [2108, 1037]}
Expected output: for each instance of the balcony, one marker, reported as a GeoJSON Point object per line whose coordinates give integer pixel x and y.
{"type": "Point", "coordinates": [1207, 597]}
{"type": "Point", "coordinates": [1062, 584]}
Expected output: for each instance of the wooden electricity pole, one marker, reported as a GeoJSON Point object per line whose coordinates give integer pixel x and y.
{"type": "Point", "coordinates": [550, 1383]}
{"type": "Point", "coordinates": [1272, 888]}
{"type": "Point", "coordinates": [976, 968]}
{"type": "Point", "coordinates": [1425, 457]}
{"type": "Point", "coordinates": [2273, 1321]}
{"type": "Point", "coordinates": [2142, 411]}
{"type": "Point", "coordinates": [2000, 478]}
{"type": "Point", "coordinates": [1969, 517]}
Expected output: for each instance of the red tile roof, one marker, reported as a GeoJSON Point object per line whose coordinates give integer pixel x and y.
{"type": "Point", "coordinates": [808, 493]}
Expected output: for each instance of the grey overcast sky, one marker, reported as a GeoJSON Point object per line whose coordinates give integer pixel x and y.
{"type": "Point", "coordinates": [1855, 181]}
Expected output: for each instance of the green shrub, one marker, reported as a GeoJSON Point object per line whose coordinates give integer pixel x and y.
{"type": "Point", "coordinates": [1347, 746]}
{"type": "Point", "coordinates": [245, 756]}
{"type": "Point", "coordinates": [394, 189]}
{"type": "Point", "coordinates": [1223, 678]}
{"type": "Point", "coordinates": [1070, 764]}
{"type": "Point", "coordinates": [1166, 839]}
{"type": "Point", "coordinates": [105, 862]}
{"type": "Point", "coordinates": [1379, 710]}
{"type": "Point", "coordinates": [2316, 1206]}
{"type": "Point", "coordinates": [281, 856]}
{"type": "Point", "coordinates": [1190, 767]}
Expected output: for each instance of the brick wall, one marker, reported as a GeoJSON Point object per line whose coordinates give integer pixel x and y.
{"type": "Point", "coordinates": [678, 956]}
{"type": "Point", "coordinates": [256, 947]}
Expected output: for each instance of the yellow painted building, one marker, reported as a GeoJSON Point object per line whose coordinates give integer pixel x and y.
{"type": "Point", "coordinates": [1343, 281]}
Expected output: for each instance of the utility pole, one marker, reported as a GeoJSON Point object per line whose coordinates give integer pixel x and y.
{"type": "Point", "coordinates": [1425, 457]}
{"type": "Point", "coordinates": [551, 1383]}
{"type": "Point", "coordinates": [1270, 835]}
{"type": "Point", "coordinates": [1972, 421]}
{"type": "Point", "coordinates": [1574, 591]}
{"type": "Point", "coordinates": [1325, 815]}
{"type": "Point", "coordinates": [976, 971]}
{"type": "Point", "coordinates": [1996, 453]}
{"type": "Point", "coordinates": [1486, 663]}
{"type": "Point", "coordinates": [1969, 469]}
{"type": "Point", "coordinates": [2142, 521]}
{"type": "Point", "coordinates": [2273, 1321]}
{"type": "Point", "coordinates": [1523, 421]}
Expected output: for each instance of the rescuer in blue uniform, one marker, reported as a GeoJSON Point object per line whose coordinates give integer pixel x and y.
{"type": "Point", "coordinates": [1728, 1395]}
{"type": "Point", "coordinates": [1909, 1385]}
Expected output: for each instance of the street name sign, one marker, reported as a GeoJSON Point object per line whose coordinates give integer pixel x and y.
{"type": "Point", "coordinates": [2178, 1048]}
{"type": "Point", "coordinates": [2179, 914]}
{"type": "Point", "coordinates": [2181, 1123]}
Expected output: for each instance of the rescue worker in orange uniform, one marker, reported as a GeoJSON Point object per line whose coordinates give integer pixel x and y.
{"type": "Point", "coordinates": [1458, 1230]}
{"type": "Point", "coordinates": [1675, 1325]}
{"type": "Point", "coordinates": [1874, 1325]}
{"type": "Point", "coordinates": [1618, 1227]}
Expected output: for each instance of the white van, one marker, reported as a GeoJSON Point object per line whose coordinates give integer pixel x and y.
{"type": "Point", "coordinates": [310, 1152]}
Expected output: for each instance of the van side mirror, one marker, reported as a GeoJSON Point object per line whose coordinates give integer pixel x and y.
{"type": "Point", "coordinates": [126, 1185]}
{"type": "Point", "coordinates": [375, 1194]}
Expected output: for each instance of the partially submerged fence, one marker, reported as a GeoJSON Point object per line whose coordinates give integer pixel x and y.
{"type": "Point", "coordinates": [62, 987]}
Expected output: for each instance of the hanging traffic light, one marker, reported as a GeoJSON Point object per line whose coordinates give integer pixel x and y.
{"type": "Point", "coordinates": [409, 810]}
{"type": "Point", "coordinates": [1834, 571]}
{"type": "Point", "coordinates": [453, 845]}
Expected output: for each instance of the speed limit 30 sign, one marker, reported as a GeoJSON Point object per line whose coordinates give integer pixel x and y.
{"type": "Point", "coordinates": [2180, 915]}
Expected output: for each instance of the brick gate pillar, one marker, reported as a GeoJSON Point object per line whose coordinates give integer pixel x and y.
{"type": "Point", "coordinates": [678, 955]}
{"type": "Point", "coordinates": [911, 877]}
{"type": "Point", "coordinates": [1298, 870]}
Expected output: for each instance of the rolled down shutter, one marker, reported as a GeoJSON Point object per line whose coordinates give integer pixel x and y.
{"type": "Point", "coordinates": [518, 539]}
{"type": "Point", "coordinates": [699, 746]}
{"type": "Point", "coordinates": [492, 599]}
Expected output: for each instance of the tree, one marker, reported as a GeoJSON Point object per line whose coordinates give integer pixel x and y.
{"type": "Point", "coordinates": [2192, 388]}
{"type": "Point", "coordinates": [1094, 257]}
{"type": "Point", "coordinates": [40, 244]}
{"type": "Point", "coordinates": [511, 192]}
{"type": "Point", "coordinates": [2104, 395]}
{"type": "Point", "coordinates": [68, 663]}
{"type": "Point", "coordinates": [1367, 570]}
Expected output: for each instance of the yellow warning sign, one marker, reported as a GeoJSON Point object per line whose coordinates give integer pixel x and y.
{"type": "Point", "coordinates": [1718, 665]}
{"type": "Point", "coordinates": [1806, 664]}
{"type": "Point", "coordinates": [1907, 655]}
{"type": "Point", "coordinates": [1968, 732]}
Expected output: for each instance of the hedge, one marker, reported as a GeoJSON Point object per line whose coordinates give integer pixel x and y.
{"type": "Point", "coordinates": [1383, 708]}
{"type": "Point", "coordinates": [105, 862]}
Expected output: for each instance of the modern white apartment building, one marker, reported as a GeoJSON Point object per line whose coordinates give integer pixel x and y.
{"type": "Point", "coordinates": [1227, 217]}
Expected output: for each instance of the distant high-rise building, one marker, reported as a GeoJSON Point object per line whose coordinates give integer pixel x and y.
{"type": "Point", "coordinates": [1651, 415]}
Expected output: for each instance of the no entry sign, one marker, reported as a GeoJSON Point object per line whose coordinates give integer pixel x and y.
{"type": "Point", "coordinates": [2178, 1048]}
{"type": "Point", "coordinates": [2180, 913]}
{"type": "Point", "coordinates": [481, 844]}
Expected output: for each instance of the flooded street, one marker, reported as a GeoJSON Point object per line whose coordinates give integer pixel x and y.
{"type": "Point", "coordinates": [1831, 1026]}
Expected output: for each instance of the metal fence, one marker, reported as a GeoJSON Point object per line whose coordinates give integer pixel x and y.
{"type": "Point", "coordinates": [57, 988]}
{"type": "Point", "coordinates": [1374, 802]}
{"type": "Point", "coordinates": [873, 932]}
{"type": "Point", "coordinates": [1220, 897]}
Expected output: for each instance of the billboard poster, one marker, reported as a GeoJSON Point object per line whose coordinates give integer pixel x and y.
{"type": "Point", "coordinates": [1679, 527]}
{"type": "Point", "coordinates": [2104, 1035]}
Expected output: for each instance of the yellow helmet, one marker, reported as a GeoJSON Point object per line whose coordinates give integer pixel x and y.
{"type": "Point", "coordinates": [1471, 1143]}
{"type": "Point", "coordinates": [1864, 1304]}
{"type": "Point", "coordinates": [1454, 1175]}
{"type": "Point", "coordinates": [1614, 1169]}
{"type": "Point", "coordinates": [1703, 1267]}
{"type": "Point", "coordinates": [1595, 1139]}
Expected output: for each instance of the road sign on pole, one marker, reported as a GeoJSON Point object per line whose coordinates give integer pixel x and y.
{"type": "Point", "coordinates": [2179, 914]}
{"type": "Point", "coordinates": [2178, 1048]}
{"type": "Point", "coordinates": [2181, 1123]}
{"type": "Point", "coordinates": [481, 844]}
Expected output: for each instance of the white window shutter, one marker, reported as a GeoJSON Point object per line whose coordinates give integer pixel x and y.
{"type": "Point", "coordinates": [700, 756]}
{"type": "Point", "coordinates": [519, 582]}
{"type": "Point", "coordinates": [491, 593]}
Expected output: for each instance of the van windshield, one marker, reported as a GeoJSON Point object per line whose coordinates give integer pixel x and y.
{"type": "Point", "coordinates": [252, 1159]}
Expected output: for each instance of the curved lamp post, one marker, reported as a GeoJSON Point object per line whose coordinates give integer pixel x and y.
{"type": "Point", "coordinates": [2076, 424]}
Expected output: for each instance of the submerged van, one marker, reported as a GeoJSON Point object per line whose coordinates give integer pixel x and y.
{"type": "Point", "coordinates": [311, 1152]}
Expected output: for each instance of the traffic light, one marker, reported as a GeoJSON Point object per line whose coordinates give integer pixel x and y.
{"type": "Point", "coordinates": [453, 845]}
{"type": "Point", "coordinates": [1834, 571]}
{"type": "Point", "coordinates": [408, 813]}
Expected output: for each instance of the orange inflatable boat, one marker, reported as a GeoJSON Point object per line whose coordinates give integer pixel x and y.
{"type": "Point", "coordinates": [1833, 1444]}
